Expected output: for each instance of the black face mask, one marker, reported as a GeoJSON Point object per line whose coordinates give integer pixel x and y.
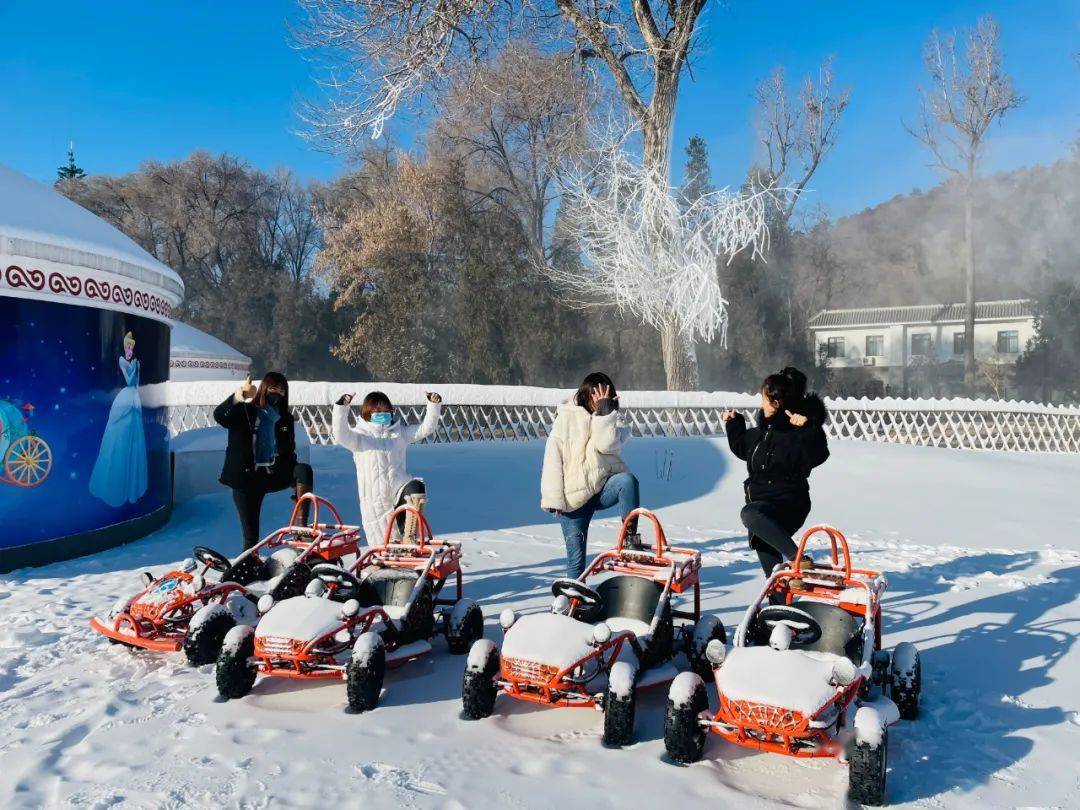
{"type": "Point", "coordinates": [273, 399]}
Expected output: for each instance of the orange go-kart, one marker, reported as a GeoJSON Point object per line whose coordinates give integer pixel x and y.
{"type": "Point", "coordinates": [194, 607]}
{"type": "Point", "coordinates": [806, 675]}
{"type": "Point", "coordinates": [353, 624]}
{"type": "Point", "coordinates": [608, 634]}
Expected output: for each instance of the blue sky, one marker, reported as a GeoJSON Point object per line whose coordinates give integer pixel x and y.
{"type": "Point", "coordinates": [132, 81]}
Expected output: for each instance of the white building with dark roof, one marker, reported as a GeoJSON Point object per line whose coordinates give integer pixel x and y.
{"type": "Point", "coordinates": [898, 345]}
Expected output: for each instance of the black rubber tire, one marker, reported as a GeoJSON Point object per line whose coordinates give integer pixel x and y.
{"type": "Point", "coordinates": [867, 771]}
{"type": "Point", "coordinates": [619, 719]}
{"type": "Point", "coordinates": [684, 738]}
{"type": "Point", "coordinates": [459, 640]}
{"type": "Point", "coordinates": [905, 691]}
{"type": "Point", "coordinates": [699, 664]}
{"type": "Point", "coordinates": [202, 644]}
{"type": "Point", "coordinates": [234, 675]}
{"type": "Point", "coordinates": [292, 582]}
{"type": "Point", "coordinates": [662, 645]}
{"type": "Point", "coordinates": [479, 690]}
{"type": "Point", "coordinates": [420, 623]}
{"type": "Point", "coordinates": [364, 682]}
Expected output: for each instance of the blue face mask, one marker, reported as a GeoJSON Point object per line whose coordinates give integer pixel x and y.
{"type": "Point", "coordinates": [382, 418]}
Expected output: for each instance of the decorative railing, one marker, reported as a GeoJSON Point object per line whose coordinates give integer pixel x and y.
{"type": "Point", "coordinates": [484, 413]}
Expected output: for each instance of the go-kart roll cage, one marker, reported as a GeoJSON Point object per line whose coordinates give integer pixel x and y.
{"type": "Point", "coordinates": [677, 569]}
{"type": "Point", "coordinates": [435, 560]}
{"type": "Point", "coordinates": [786, 731]}
{"type": "Point", "coordinates": [163, 627]}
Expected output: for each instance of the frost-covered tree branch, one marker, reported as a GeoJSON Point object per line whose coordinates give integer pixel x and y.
{"type": "Point", "coordinates": [651, 258]}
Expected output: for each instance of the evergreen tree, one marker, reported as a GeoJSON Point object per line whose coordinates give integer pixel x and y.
{"type": "Point", "coordinates": [72, 171]}
{"type": "Point", "coordinates": [696, 182]}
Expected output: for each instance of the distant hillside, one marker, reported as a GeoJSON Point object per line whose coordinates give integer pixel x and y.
{"type": "Point", "coordinates": [907, 250]}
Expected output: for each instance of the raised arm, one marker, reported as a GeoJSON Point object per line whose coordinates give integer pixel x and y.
{"type": "Point", "coordinates": [604, 433]}
{"type": "Point", "coordinates": [344, 434]}
{"type": "Point", "coordinates": [735, 427]}
{"type": "Point", "coordinates": [230, 413]}
{"type": "Point", "coordinates": [427, 426]}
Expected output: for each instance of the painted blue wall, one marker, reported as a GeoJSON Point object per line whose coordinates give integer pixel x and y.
{"type": "Point", "coordinates": [65, 361]}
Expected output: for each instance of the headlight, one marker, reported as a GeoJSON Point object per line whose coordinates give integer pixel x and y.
{"type": "Point", "coordinates": [601, 633]}
{"type": "Point", "coordinates": [507, 618]}
{"type": "Point", "coordinates": [844, 671]}
{"type": "Point", "coordinates": [715, 652]}
{"type": "Point", "coordinates": [560, 604]}
{"type": "Point", "coordinates": [197, 583]}
{"type": "Point", "coordinates": [266, 601]}
{"type": "Point", "coordinates": [315, 588]}
{"type": "Point", "coordinates": [350, 608]}
{"type": "Point", "coordinates": [343, 636]}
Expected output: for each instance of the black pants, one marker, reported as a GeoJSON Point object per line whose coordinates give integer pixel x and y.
{"type": "Point", "coordinates": [771, 525]}
{"type": "Point", "coordinates": [249, 499]}
{"type": "Point", "coordinates": [413, 487]}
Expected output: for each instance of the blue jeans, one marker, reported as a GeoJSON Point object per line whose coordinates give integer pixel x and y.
{"type": "Point", "coordinates": [620, 490]}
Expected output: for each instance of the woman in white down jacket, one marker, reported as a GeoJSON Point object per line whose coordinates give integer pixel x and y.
{"type": "Point", "coordinates": [583, 472]}
{"type": "Point", "coordinates": [378, 443]}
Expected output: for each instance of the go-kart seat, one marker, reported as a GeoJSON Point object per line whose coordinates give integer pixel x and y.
{"type": "Point", "coordinates": [841, 632]}
{"type": "Point", "coordinates": [628, 597]}
{"type": "Point", "coordinates": [387, 587]}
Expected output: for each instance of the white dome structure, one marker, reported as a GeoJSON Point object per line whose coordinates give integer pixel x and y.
{"type": "Point", "coordinates": [87, 316]}
{"type": "Point", "coordinates": [196, 356]}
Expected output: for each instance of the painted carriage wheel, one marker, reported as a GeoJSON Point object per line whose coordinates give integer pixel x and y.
{"type": "Point", "coordinates": [28, 461]}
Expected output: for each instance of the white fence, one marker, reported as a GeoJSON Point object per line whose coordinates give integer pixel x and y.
{"type": "Point", "coordinates": [483, 413]}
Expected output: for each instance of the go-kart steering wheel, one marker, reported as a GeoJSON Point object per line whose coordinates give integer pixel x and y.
{"type": "Point", "coordinates": [216, 560]}
{"type": "Point", "coordinates": [805, 628]}
{"type": "Point", "coordinates": [576, 589]}
{"type": "Point", "coordinates": [345, 585]}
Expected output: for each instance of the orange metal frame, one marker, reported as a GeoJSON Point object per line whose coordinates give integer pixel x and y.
{"type": "Point", "coordinates": [163, 627]}
{"type": "Point", "coordinates": [315, 658]}
{"type": "Point", "coordinates": [788, 732]}
{"type": "Point", "coordinates": [550, 686]}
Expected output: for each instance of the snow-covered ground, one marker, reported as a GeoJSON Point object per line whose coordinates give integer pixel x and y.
{"type": "Point", "coordinates": [982, 552]}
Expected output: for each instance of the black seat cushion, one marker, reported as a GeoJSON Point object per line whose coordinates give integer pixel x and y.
{"type": "Point", "coordinates": [841, 632]}
{"type": "Point", "coordinates": [387, 587]}
{"type": "Point", "coordinates": [629, 597]}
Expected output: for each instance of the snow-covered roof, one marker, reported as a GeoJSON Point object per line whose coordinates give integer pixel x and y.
{"type": "Point", "coordinates": [195, 355]}
{"type": "Point", "coordinates": [187, 341]}
{"type": "Point", "coordinates": [38, 222]}
{"type": "Point", "coordinates": [921, 314]}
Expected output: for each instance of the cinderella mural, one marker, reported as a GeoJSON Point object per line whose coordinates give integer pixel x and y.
{"type": "Point", "coordinates": [119, 474]}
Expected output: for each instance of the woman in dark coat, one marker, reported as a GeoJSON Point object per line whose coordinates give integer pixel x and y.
{"type": "Point", "coordinates": [788, 442]}
{"type": "Point", "coordinates": [261, 453]}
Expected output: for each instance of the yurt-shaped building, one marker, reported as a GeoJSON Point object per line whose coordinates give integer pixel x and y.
{"type": "Point", "coordinates": [196, 356]}
{"type": "Point", "coordinates": [86, 314]}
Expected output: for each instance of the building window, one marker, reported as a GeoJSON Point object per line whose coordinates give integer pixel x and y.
{"type": "Point", "coordinates": [836, 347]}
{"type": "Point", "coordinates": [958, 343]}
{"type": "Point", "coordinates": [1008, 342]}
{"type": "Point", "coordinates": [875, 345]}
{"type": "Point", "coordinates": [922, 344]}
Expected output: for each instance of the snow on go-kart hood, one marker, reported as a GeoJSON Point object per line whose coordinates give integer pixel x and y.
{"type": "Point", "coordinates": [800, 680]}
{"type": "Point", "coordinates": [551, 639]}
{"type": "Point", "coordinates": [302, 618]}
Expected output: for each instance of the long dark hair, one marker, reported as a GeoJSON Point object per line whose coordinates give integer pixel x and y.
{"type": "Point", "coordinates": [278, 379]}
{"type": "Point", "coordinates": [583, 397]}
{"type": "Point", "coordinates": [780, 389]}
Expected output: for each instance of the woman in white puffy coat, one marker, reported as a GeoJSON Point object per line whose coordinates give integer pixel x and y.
{"type": "Point", "coordinates": [583, 472]}
{"type": "Point", "coordinates": [378, 443]}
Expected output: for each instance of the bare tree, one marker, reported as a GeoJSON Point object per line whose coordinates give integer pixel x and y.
{"type": "Point", "coordinates": [655, 258]}
{"type": "Point", "coordinates": [796, 134]}
{"type": "Point", "coordinates": [968, 92]}
{"type": "Point", "coordinates": [380, 54]}
{"type": "Point", "coordinates": [519, 123]}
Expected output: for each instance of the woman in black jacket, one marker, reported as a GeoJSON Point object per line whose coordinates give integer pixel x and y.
{"type": "Point", "coordinates": [788, 442]}
{"type": "Point", "coordinates": [261, 453]}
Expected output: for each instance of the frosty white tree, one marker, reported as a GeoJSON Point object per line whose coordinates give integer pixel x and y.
{"type": "Point", "coordinates": [649, 256]}
{"type": "Point", "coordinates": [381, 54]}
